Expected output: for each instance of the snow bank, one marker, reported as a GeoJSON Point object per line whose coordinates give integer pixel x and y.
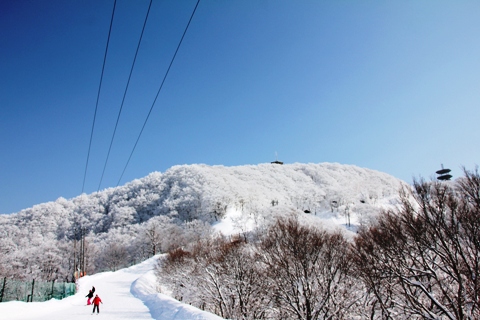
{"type": "Point", "coordinates": [165, 307]}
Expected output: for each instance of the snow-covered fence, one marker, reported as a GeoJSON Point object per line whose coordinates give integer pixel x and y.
{"type": "Point", "coordinates": [28, 291]}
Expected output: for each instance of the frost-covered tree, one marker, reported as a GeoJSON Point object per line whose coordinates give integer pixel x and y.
{"type": "Point", "coordinates": [152, 236]}
{"type": "Point", "coordinates": [112, 249]}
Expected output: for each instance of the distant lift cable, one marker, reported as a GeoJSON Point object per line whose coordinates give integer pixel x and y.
{"type": "Point", "coordinates": [158, 92]}
{"type": "Point", "coordinates": [98, 95]}
{"type": "Point", "coordinates": [124, 94]}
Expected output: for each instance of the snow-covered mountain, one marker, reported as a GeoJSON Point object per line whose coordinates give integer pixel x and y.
{"type": "Point", "coordinates": [121, 226]}
{"type": "Point", "coordinates": [165, 210]}
{"type": "Point", "coordinates": [188, 192]}
{"type": "Point", "coordinates": [281, 257]}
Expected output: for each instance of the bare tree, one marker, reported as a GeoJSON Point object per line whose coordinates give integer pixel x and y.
{"type": "Point", "coordinates": [424, 260]}
{"type": "Point", "coordinates": [175, 271]}
{"type": "Point", "coordinates": [308, 269]}
{"type": "Point", "coordinates": [220, 276]}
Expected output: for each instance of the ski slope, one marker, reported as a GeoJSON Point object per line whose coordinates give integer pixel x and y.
{"type": "Point", "coordinates": [126, 294]}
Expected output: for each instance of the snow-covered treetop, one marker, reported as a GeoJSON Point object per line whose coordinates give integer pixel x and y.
{"type": "Point", "coordinates": [198, 191]}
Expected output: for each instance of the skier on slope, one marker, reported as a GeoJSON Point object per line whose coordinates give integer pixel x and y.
{"type": "Point", "coordinates": [89, 296]}
{"type": "Point", "coordinates": [96, 304]}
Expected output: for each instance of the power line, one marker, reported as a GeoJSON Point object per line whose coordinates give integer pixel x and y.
{"type": "Point", "coordinates": [98, 94]}
{"type": "Point", "coordinates": [125, 93]}
{"type": "Point", "coordinates": [158, 92]}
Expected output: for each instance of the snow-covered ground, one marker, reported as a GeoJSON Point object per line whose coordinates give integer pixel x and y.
{"type": "Point", "coordinates": [126, 294]}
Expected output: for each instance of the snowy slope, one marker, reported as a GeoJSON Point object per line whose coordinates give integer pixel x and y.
{"type": "Point", "coordinates": [126, 294]}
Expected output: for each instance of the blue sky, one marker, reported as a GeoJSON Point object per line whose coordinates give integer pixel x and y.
{"type": "Point", "coordinates": [392, 86]}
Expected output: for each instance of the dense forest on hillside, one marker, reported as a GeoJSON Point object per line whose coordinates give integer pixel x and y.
{"type": "Point", "coordinates": [120, 226]}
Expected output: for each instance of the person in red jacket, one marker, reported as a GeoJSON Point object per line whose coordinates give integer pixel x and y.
{"type": "Point", "coordinates": [96, 303]}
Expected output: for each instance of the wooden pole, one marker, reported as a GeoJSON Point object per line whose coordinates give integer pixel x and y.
{"type": "Point", "coordinates": [3, 288]}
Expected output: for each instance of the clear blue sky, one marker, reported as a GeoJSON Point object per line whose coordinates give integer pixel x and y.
{"type": "Point", "coordinates": [392, 86]}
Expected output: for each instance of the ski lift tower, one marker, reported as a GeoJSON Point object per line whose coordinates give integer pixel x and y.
{"type": "Point", "coordinates": [444, 174]}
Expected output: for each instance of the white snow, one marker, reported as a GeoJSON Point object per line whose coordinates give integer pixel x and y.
{"type": "Point", "coordinates": [232, 222]}
{"type": "Point", "coordinates": [126, 294]}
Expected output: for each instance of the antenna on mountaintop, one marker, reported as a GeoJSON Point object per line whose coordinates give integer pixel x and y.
{"type": "Point", "coordinates": [276, 159]}
{"type": "Point", "coordinates": [444, 174]}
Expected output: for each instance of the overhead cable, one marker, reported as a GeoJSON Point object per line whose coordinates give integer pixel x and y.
{"type": "Point", "coordinates": [98, 95]}
{"type": "Point", "coordinates": [124, 94]}
{"type": "Point", "coordinates": [159, 89]}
